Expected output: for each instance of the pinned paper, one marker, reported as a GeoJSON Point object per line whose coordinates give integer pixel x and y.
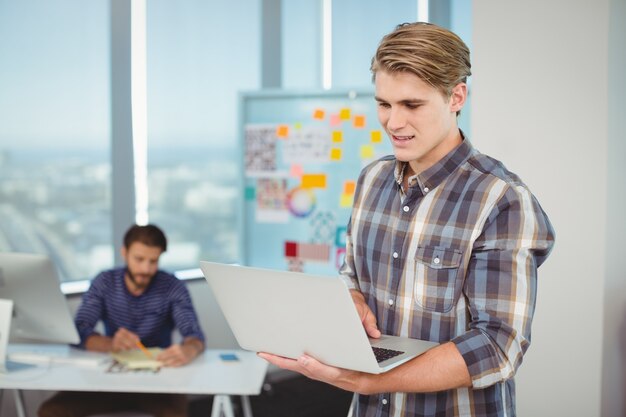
{"type": "Point", "coordinates": [346, 200]}
{"type": "Point", "coordinates": [337, 136]}
{"type": "Point", "coordinates": [314, 181]}
{"type": "Point", "coordinates": [340, 236]}
{"type": "Point", "coordinates": [282, 131]}
{"type": "Point", "coordinates": [340, 256]}
{"type": "Point", "coordinates": [349, 187]}
{"type": "Point", "coordinates": [367, 151]}
{"type": "Point", "coordinates": [359, 121]}
{"type": "Point", "coordinates": [319, 114]}
{"type": "Point", "coordinates": [307, 251]}
{"type": "Point", "coordinates": [377, 136]}
{"type": "Point", "coordinates": [344, 114]}
{"type": "Point", "coordinates": [335, 154]}
{"type": "Point", "coordinates": [335, 120]}
{"type": "Point", "coordinates": [296, 171]}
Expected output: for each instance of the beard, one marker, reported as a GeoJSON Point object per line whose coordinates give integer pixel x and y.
{"type": "Point", "coordinates": [138, 285]}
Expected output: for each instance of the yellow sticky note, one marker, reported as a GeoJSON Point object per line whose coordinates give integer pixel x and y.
{"type": "Point", "coordinates": [359, 121]}
{"type": "Point", "coordinates": [367, 151]}
{"type": "Point", "coordinates": [335, 154]}
{"type": "Point", "coordinates": [376, 136]}
{"type": "Point", "coordinates": [282, 131]}
{"type": "Point", "coordinates": [337, 136]}
{"type": "Point", "coordinates": [345, 200]}
{"type": "Point", "coordinates": [297, 125]}
{"type": "Point", "coordinates": [349, 187]}
{"type": "Point", "coordinates": [344, 114]}
{"type": "Point", "coordinates": [318, 114]}
{"type": "Point", "coordinates": [314, 181]}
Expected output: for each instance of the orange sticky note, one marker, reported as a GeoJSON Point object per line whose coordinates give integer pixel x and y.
{"type": "Point", "coordinates": [337, 136]}
{"type": "Point", "coordinates": [282, 131]}
{"type": "Point", "coordinates": [376, 136]}
{"type": "Point", "coordinates": [344, 114]}
{"type": "Point", "coordinates": [335, 154]}
{"type": "Point", "coordinates": [367, 151]}
{"type": "Point", "coordinates": [346, 200]}
{"type": "Point", "coordinates": [359, 121]}
{"type": "Point", "coordinates": [319, 114]}
{"type": "Point", "coordinates": [349, 187]}
{"type": "Point", "coordinates": [296, 171]}
{"type": "Point", "coordinates": [314, 181]}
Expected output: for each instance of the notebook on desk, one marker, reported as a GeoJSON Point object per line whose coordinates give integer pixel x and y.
{"type": "Point", "coordinates": [291, 313]}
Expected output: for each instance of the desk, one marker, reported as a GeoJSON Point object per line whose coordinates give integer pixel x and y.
{"type": "Point", "coordinates": [207, 374]}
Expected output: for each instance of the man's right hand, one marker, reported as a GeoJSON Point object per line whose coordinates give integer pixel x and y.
{"type": "Point", "coordinates": [124, 340]}
{"type": "Point", "coordinates": [365, 313]}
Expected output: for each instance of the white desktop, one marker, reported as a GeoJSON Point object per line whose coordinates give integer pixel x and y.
{"type": "Point", "coordinates": [39, 310]}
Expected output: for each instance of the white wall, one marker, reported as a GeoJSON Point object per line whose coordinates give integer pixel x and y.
{"type": "Point", "coordinates": [541, 105]}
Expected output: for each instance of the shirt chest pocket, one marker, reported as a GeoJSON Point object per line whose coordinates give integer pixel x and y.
{"type": "Point", "coordinates": [436, 270]}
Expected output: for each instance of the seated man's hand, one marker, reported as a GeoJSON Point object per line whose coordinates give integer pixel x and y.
{"type": "Point", "coordinates": [124, 339]}
{"type": "Point", "coordinates": [179, 355]}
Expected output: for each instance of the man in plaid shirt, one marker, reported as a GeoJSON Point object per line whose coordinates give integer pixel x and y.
{"type": "Point", "coordinates": [443, 244]}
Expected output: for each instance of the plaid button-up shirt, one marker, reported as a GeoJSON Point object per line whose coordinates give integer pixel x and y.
{"type": "Point", "coordinates": [453, 259]}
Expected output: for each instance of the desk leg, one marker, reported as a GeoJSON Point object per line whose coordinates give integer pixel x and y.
{"type": "Point", "coordinates": [245, 403]}
{"type": "Point", "coordinates": [222, 403]}
{"type": "Point", "coordinates": [19, 403]}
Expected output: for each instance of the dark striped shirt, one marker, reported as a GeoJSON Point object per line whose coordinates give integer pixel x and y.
{"type": "Point", "coordinates": [153, 315]}
{"type": "Point", "coordinates": [453, 259]}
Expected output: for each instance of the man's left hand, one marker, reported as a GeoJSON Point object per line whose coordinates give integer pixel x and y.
{"type": "Point", "coordinates": [177, 355]}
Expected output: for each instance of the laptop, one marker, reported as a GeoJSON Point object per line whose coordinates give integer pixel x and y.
{"type": "Point", "coordinates": [292, 313]}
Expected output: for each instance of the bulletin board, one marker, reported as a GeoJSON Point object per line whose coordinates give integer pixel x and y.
{"type": "Point", "coordinates": [302, 155]}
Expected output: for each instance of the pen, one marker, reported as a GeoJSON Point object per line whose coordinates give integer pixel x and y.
{"type": "Point", "coordinates": [143, 349]}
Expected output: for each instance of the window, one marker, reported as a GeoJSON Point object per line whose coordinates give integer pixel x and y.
{"type": "Point", "coordinates": [199, 56]}
{"type": "Point", "coordinates": [54, 133]}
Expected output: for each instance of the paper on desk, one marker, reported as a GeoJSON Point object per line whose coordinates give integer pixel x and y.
{"type": "Point", "coordinates": [136, 359]}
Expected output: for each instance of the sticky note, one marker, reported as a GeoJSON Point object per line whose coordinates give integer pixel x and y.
{"type": "Point", "coordinates": [344, 114]}
{"type": "Point", "coordinates": [349, 187]}
{"type": "Point", "coordinates": [282, 131]}
{"type": "Point", "coordinates": [367, 151]}
{"type": "Point", "coordinates": [297, 125]}
{"type": "Point", "coordinates": [250, 193]}
{"type": "Point", "coordinates": [296, 171]}
{"type": "Point", "coordinates": [346, 200]}
{"type": "Point", "coordinates": [337, 136]}
{"type": "Point", "coordinates": [314, 181]}
{"type": "Point", "coordinates": [318, 114]}
{"type": "Point", "coordinates": [359, 121]}
{"type": "Point", "coordinates": [335, 154]}
{"type": "Point", "coordinates": [229, 357]}
{"type": "Point", "coordinates": [377, 136]}
{"type": "Point", "coordinates": [335, 120]}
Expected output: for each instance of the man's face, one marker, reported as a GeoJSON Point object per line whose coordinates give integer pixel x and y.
{"type": "Point", "coordinates": [420, 121]}
{"type": "Point", "coordinates": [143, 262]}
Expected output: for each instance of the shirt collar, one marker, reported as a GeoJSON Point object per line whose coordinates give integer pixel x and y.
{"type": "Point", "coordinates": [435, 175]}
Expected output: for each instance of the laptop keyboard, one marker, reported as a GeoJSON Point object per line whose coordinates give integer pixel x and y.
{"type": "Point", "coordinates": [384, 354]}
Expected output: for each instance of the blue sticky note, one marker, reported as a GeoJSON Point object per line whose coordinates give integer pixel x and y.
{"type": "Point", "coordinates": [228, 357]}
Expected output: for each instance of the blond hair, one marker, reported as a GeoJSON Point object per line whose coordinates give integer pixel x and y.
{"type": "Point", "coordinates": [436, 55]}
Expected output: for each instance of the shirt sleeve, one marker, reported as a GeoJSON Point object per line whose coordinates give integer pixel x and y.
{"type": "Point", "coordinates": [183, 313]}
{"type": "Point", "coordinates": [91, 309]}
{"type": "Point", "coordinates": [501, 285]}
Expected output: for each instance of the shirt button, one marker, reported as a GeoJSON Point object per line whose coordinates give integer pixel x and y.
{"type": "Point", "coordinates": [436, 260]}
{"type": "Point", "coordinates": [390, 302]}
{"type": "Point", "coordinates": [384, 401]}
{"type": "Point", "coordinates": [395, 255]}
{"type": "Point", "coordinates": [405, 208]}
{"type": "Point", "coordinates": [426, 189]}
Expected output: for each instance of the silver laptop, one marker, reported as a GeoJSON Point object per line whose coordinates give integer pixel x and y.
{"type": "Point", "coordinates": [291, 313]}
